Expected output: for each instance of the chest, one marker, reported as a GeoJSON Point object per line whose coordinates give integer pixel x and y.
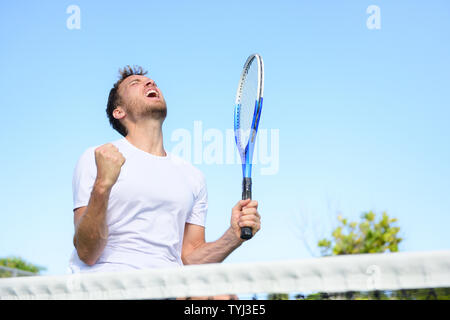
{"type": "Point", "coordinates": [154, 184]}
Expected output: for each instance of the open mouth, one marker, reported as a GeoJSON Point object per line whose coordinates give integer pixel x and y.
{"type": "Point", "coordinates": [152, 94]}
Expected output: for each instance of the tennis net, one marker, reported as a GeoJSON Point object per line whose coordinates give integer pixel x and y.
{"type": "Point", "coordinates": [336, 274]}
{"type": "Point", "coordinates": [6, 272]}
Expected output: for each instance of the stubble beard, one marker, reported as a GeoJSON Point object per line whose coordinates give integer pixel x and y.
{"type": "Point", "coordinates": [156, 110]}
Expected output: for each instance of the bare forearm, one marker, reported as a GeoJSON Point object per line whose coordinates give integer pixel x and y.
{"type": "Point", "coordinates": [214, 252]}
{"type": "Point", "coordinates": [92, 231]}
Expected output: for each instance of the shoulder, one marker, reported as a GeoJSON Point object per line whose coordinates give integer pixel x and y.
{"type": "Point", "coordinates": [188, 168]}
{"type": "Point", "coordinates": [120, 143]}
{"type": "Point", "coordinates": [88, 155]}
{"type": "Point", "coordinates": [91, 149]}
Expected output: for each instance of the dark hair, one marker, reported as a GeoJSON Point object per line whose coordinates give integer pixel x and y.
{"type": "Point", "coordinates": [114, 97]}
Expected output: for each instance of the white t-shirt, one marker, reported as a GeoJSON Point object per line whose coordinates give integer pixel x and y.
{"type": "Point", "coordinates": [148, 207]}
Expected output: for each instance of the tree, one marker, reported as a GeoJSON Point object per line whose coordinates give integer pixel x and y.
{"type": "Point", "coordinates": [369, 236]}
{"type": "Point", "coordinates": [278, 296]}
{"type": "Point", "coordinates": [19, 264]}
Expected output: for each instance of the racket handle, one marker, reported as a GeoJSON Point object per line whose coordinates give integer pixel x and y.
{"type": "Point", "coordinates": [246, 232]}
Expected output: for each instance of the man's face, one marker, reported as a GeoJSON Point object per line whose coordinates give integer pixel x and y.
{"type": "Point", "coordinates": [141, 97]}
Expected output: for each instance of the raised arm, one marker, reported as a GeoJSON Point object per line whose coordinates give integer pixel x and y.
{"type": "Point", "coordinates": [91, 230]}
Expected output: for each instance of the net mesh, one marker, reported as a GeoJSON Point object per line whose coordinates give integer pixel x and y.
{"type": "Point", "coordinates": [6, 272]}
{"type": "Point", "coordinates": [390, 275]}
{"type": "Point", "coordinates": [247, 103]}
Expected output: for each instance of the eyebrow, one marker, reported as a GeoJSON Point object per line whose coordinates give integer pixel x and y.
{"type": "Point", "coordinates": [136, 79]}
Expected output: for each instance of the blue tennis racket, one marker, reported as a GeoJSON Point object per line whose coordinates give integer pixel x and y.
{"type": "Point", "coordinates": [247, 112]}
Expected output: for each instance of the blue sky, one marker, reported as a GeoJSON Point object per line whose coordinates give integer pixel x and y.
{"type": "Point", "coordinates": [362, 115]}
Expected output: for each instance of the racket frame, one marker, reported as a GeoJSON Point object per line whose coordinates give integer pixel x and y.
{"type": "Point", "coordinates": [246, 153]}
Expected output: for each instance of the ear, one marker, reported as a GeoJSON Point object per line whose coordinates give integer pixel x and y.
{"type": "Point", "coordinates": [119, 113]}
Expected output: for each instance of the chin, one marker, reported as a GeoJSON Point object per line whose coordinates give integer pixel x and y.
{"type": "Point", "coordinates": [157, 110]}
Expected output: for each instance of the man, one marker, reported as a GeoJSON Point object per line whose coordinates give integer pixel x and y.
{"type": "Point", "coordinates": [137, 206]}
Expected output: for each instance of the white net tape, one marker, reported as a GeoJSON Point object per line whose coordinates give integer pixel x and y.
{"type": "Point", "coordinates": [365, 272]}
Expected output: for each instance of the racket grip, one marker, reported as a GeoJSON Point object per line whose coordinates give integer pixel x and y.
{"type": "Point", "coordinates": [246, 188]}
{"type": "Point", "coordinates": [246, 232]}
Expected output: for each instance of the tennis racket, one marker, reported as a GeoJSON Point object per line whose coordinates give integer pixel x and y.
{"type": "Point", "coordinates": [247, 112]}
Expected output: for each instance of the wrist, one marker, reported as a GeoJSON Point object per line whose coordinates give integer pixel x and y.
{"type": "Point", "coordinates": [235, 239]}
{"type": "Point", "coordinates": [101, 187]}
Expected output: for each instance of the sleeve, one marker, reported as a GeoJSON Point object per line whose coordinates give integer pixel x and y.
{"type": "Point", "coordinates": [83, 178]}
{"type": "Point", "coordinates": [200, 208]}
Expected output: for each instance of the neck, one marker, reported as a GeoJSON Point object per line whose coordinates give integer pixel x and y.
{"type": "Point", "coordinates": [147, 136]}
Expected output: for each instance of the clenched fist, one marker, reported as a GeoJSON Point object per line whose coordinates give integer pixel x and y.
{"type": "Point", "coordinates": [245, 214]}
{"type": "Point", "coordinates": [109, 161]}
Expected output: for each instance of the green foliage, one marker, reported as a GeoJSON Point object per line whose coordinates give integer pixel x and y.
{"type": "Point", "coordinates": [422, 294]}
{"type": "Point", "coordinates": [18, 263]}
{"type": "Point", "coordinates": [278, 296]}
{"type": "Point", "coordinates": [369, 236]}
{"type": "Point", "coordinates": [407, 294]}
{"type": "Point", "coordinates": [375, 295]}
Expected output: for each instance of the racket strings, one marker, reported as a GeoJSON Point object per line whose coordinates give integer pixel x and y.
{"type": "Point", "coordinates": [248, 104]}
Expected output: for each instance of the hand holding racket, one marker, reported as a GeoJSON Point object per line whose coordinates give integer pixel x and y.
{"type": "Point", "coordinates": [247, 112]}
